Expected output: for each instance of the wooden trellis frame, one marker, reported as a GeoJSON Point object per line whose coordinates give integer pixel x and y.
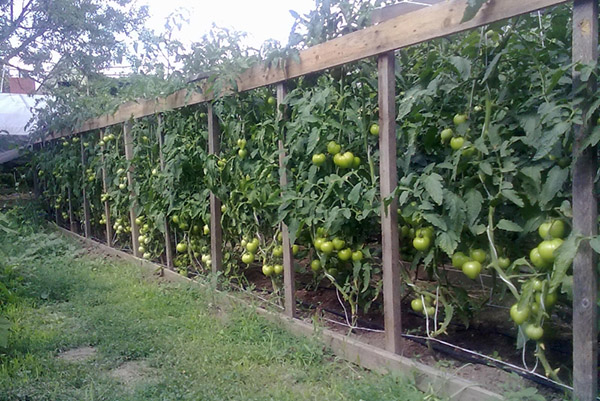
{"type": "Point", "coordinates": [397, 32]}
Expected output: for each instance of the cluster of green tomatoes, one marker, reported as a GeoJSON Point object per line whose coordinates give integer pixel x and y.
{"type": "Point", "coordinates": [340, 159]}
{"type": "Point", "coordinates": [333, 248]}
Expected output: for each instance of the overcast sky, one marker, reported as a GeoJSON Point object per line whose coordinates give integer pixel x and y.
{"type": "Point", "coordinates": [261, 19]}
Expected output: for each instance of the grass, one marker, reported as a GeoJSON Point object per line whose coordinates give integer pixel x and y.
{"type": "Point", "coordinates": [61, 298]}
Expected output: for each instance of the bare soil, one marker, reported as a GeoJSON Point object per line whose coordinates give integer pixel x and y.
{"type": "Point", "coordinates": [80, 354]}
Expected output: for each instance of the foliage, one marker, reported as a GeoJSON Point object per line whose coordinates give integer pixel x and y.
{"type": "Point", "coordinates": [54, 39]}
{"type": "Point", "coordinates": [484, 123]}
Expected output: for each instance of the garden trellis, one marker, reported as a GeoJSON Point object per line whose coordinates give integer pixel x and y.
{"type": "Point", "coordinates": [381, 40]}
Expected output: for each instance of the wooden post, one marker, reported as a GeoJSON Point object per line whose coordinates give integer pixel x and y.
{"type": "Point", "coordinates": [135, 232]}
{"type": "Point", "coordinates": [289, 285]}
{"type": "Point", "coordinates": [109, 232]}
{"type": "Point", "coordinates": [216, 232]}
{"type": "Point", "coordinates": [168, 244]}
{"type": "Point", "coordinates": [87, 226]}
{"type": "Point", "coordinates": [72, 225]}
{"type": "Point", "coordinates": [585, 215]}
{"type": "Point", "coordinates": [389, 216]}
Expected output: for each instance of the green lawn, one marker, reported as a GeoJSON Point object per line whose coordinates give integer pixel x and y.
{"type": "Point", "coordinates": [152, 341]}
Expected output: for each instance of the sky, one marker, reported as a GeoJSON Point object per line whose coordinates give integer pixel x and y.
{"type": "Point", "coordinates": [261, 19]}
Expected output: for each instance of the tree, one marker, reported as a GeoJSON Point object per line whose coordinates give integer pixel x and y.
{"type": "Point", "coordinates": [47, 39]}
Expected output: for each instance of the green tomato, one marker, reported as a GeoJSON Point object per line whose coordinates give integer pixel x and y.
{"type": "Point", "coordinates": [459, 119]}
{"type": "Point", "coordinates": [345, 254]}
{"type": "Point", "coordinates": [252, 247]}
{"type": "Point", "coordinates": [278, 251]}
{"type": "Point", "coordinates": [338, 243]}
{"type": "Point", "coordinates": [356, 162]}
{"type": "Point", "coordinates": [446, 135]}
{"type": "Point", "coordinates": [503, 262]}
{"type": "Point", "coordinates": [206, 229]}
{"type": "Point", "coordinates": [519, 316]}
{"type": "Point", "coordinates": [537, 285]}
{"type": "Point", "coordinates": [425, 232]}
{"type": "Point", "coordinates": [295, 249]}
{"type": "Point", "coordinates": [472, 269]}
{"type": "Point", "coordinates": [374, 130]}
{"type": "Point", "coordinates": [478, 254]}
{"type": "Point", "coordinates": [416, 305]}
{"type": "Point", "coordinates": [318, 159]}
{"type": "Point", "coordinates": [181, 247]}
{"type": "Point", "coordinates": [549, 300]}
{"type": "Point", "coordinates": [248, 258]}
{"type": "Point", "coordinates": [333, 148]}
{"type": "Point", "coordinates": [278, 269]}
{"type": "Point", "coordinates": [557, 229]}
{"type": "Point", "coordinates": [457, 142]}
{"type": "Point", "coordinates": [537, 260]}
{"type": "Point", "coordinates": [543, 229]}
{"type": "Point", "coordinates": [318, 242]}
{"type": "Point", "coordinates": [315, 265]}
{"type": "Point", "coordinates": [242, 153]}
{"type": "Point", "coordinates": [357, 256]}
{"type": "Point", "coordinates": [547, 248]}
{"type": "Point", "coordinates": [459, 259]}
{"type": "Point", "coordinates": [271, 101]}
{"type": "Point", "coordinates": [327, 247]}
{"type": "Point", "coordinates": [241, 143]}
{"type": "Point", "coordinates": [421, 243]}
{"type": "Point", "coordinates": [534, 332]}
{"type": "Point", "coordinates": [430, 310]}
{"type": "Point", "coordinates": [266, 269]}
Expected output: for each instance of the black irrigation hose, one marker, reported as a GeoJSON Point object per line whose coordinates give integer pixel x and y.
{"type": "Point", "coordinates": [457, 353]}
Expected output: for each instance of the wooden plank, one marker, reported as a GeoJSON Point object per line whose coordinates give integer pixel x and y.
{"type": "Point", "coordinates": [427, 378]}
{"type": "Point", "coordinates": [585, 215]}
{"type": "Point", "coordinates": [87, 225]}
{"type": "Point", "coordinates": [109, 233]}
{"type": "Point", "coordinates": [168, 243]}
{"type": "Point", "coordinates": [216, 231]}
{"type": "Point", "coordinates": [389, 216]}
{"type": "Point", "coordinates": [135, 230]}
{"type": "Point", "coordinates": [289, 279]}
{"type": "Point", "coordinates": [404, 30]}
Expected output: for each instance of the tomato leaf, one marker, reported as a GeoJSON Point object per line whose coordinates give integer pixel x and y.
{"type": "Point", "coordinates": [435, 220]}
{"type": "Point", "coordinates": [474, 202]}
{"type": "Point", "coordinates": [508, 225]}
{"type": "Point", "coordinates": [448, 242]}
{"type": "Point", "coordinates": [512, 196]}
{"type": "Point", "coordinates": [554, 182]}
{"type": "Point", "coordinates": [473, 7]}
{"type": "Point", "coordinates": [564, 258]}
{"type": "Point", "coordinates": [462, 65]}
{"type": "Point", "coordinates": [550, 138]}
{"type": "Point", "coordinates": [313, 140]}
{"type": "Point", "coordinates": [591, 140]}
{"type": "Point", "coordinates": [486, 168]}
{"type": "Point", "coordinates": [433, 186]}
{"type": "Point", "coordinates": [354, 195]}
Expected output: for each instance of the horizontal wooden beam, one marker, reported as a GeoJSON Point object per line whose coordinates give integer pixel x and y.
{"type": "Point", "coordinates": [429, 23]}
